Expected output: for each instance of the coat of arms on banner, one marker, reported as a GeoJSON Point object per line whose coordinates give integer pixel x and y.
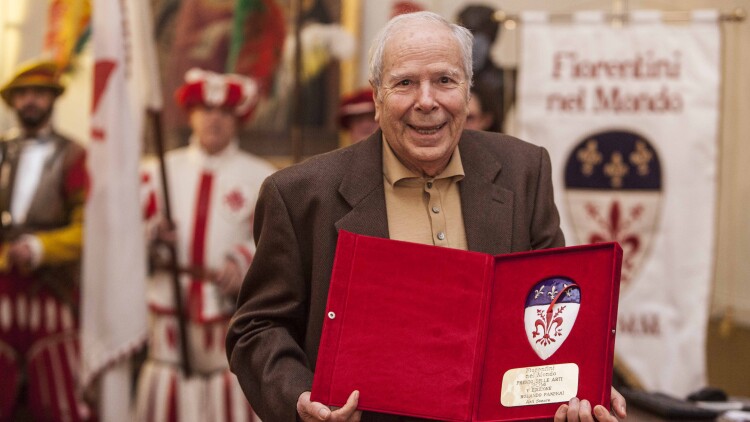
{"type": "Point", "coordinates": [550, 313]}
{"type": "Point", "coordinates": [613, 189]}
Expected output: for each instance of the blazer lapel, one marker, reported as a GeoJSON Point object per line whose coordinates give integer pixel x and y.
{"type": "Point", "coordinates": [362, 189]}
{"type": "Point", "coordinates": [487, 208]}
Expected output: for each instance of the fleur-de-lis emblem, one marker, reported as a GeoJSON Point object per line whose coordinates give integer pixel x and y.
{"type": "Point", "coordinates": [617, 226]}
{"type": "Point", "coordinates": [552, 293]}
{"type": "Point", "coordinates": [548, 326]}
{"type": "Point", "coordinates": [621, 201]}
{"type": "Point", "coordinates": [589, 157]}
{"type": "Point", "coordinates": [616, 169]}
{"type": "Point", "coordinates": [550, 312]}
{"type": "Point", "coordinates": [641, 157]}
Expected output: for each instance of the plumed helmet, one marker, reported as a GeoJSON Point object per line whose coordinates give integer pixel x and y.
{"type": "Point", "coordinates": [358, 102]}
{"type": "Point", "coordinates": [37, 73]}
{"type": "Point", "coordinates": [230, 91]}
{"type": "Point", "coordinates": [404, 7]}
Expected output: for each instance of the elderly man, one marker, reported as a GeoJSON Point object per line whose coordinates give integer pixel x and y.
{"type": "Point", "coordinates": [42, 190]}
{"type": "Point", "coordinates": [421, 178]}
{"type": "Point", "coordinates": [213, 188]}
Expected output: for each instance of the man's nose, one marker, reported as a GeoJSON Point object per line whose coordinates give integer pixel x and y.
{"type": "Point", "coordinates": [426, 97]}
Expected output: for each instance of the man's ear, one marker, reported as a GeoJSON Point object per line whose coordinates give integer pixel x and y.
{"type": "Point", "coordinates": [376, 101]}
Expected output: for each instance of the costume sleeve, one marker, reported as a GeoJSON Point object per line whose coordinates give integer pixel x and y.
{"type": "Point", "coordinates": [242, 253]}
{"type": "Point", "coordinates": [545, 222]}
{"type": "Point", "coordinates": [264, 342]}
{"type": "Point", "coordinates": [4, 257]}
{"type": "Point", "coordinates": [64, 244]}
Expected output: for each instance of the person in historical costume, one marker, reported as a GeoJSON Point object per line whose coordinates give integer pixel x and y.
{"type": "Point", "coordinates": [357, 114]}
{"type": "Point", "coordinates": [43, 185]}
{"type": "Point", "coordinates": [480, 115]}
{"type": "Point", "coordinates": [213, 186]}
{"type": "Point", "coordinates": [489, 78]}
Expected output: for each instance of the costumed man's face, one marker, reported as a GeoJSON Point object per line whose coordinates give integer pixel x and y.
{"type": "Point", "coordinates": [477, 119]}
{"type": "Point", "coordinates": [215, 127]}
{"type": "Point", "coordinates": [361, 126]}
{"type": "Point", "coordinates": [33, 106]}
{"type": "Point", "coordinates": [423, 101]}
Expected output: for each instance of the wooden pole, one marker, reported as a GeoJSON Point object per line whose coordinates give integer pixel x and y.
{"type": "Point", "coordinates": [174, 268]}
{"type": "Point", "coordinates": [297, 94]}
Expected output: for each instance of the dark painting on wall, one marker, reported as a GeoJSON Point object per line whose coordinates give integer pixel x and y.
{"type": "Point", "coordinates": [204, 33]}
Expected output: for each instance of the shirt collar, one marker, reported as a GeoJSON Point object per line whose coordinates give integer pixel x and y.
{"type": "Point", "coordinates": [394, 170]}
{"type": "Point", "coordinates": [43, 133]}
{"type": "Point", "coordinates": [211, 161]}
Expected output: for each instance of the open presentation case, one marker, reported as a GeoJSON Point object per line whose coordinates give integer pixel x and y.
{"type": "Point", "coordinates": [454, 335]}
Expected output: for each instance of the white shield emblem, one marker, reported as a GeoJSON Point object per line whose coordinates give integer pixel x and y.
{"type": "Point", "coordinates": [613, 191]}
{"type": "Point", "coordinates": [550, 313]}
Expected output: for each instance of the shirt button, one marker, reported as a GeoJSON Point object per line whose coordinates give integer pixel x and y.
{"type": "Point", "coordinates": [441, 236]}
{"type": "Point", "coordinates": [435, 210]}
{"type": "Point", "coordinates": [429, 185]}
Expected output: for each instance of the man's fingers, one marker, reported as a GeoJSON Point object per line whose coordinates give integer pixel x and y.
{"type": "Point", "coordinates": [602, 414]}
{"type": "Point", "coordinates": [580, 411]}
{"type": "Point", "coordinates": [351, 402]}
{"type": "Point", "coordinates": [574, 406]}
{"type": "Point", "coordinates": [311, 411]}
{"type": "Point", "coordinates": [314, 411]}
{"type": "Point", "coordinates": [349, 412]}
{"type": "Point", "coordinates": [562, 413]}
{"type": "Point", "coordinates": [618, 404]}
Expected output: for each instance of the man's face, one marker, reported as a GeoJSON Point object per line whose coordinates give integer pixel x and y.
{"type": "Point", "coordinates": [214, 126]}
{"type": "Point", "coordinates": [423, 101]}
{"type": "Point", "coordinates": [33, 106]}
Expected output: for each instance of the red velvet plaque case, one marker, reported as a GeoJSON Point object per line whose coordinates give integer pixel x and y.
{"type": "Point", "coordinates": [453, 335]}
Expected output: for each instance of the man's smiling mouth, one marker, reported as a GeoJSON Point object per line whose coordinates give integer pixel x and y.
{"type": "Point", "coordinates": [427, 130]}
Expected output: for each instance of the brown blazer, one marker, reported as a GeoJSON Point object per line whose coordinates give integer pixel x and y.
{"type": "Point", "coordinates": [272, 344]}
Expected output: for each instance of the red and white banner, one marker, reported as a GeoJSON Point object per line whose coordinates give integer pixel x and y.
{"type": "Point", "coordinates": [629, 114]}
{"type": "Point", "coordinates": [113, 315]}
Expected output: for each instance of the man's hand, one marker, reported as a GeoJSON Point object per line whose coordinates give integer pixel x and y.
{"type": "Point", "coordinates": [166, 232]}
{"type": "Point", "coordinates": [20, 255]}
{"type": "Point", "coordinates": [580, 410]}
{"type": "Point", "coordinates": [314, 411]}
{"type": "Point", "coordinates": [229, 278]}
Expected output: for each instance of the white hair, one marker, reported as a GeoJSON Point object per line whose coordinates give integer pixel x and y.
{"type": "Point", "coordinates": [463, 37]}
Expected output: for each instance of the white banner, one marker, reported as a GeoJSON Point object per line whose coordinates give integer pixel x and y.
{"type": "Point", "coordinates": [629, 114]}
{"type": "Point", "coordinates": [114, 269]}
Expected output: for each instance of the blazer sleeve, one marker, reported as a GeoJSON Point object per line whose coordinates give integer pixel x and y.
{"type": "Point", "coordinates": [265, 337]}
{"type": "Point", "coordinates": [545, 220]}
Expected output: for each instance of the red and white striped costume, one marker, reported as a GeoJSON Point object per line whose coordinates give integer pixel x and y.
{"type": "Point", "coordinates": [38, 326]}
{"type": "Point", "coordinates": [212, 200]}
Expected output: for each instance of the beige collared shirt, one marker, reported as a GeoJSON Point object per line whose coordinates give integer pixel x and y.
{"type": "Point", "coordinates": [424, 210]}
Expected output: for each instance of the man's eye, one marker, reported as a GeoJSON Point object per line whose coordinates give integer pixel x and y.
{"type": "Point", "coordinates": [445, 80]}
{"type": "Point", "coordinates": [405, 82]}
